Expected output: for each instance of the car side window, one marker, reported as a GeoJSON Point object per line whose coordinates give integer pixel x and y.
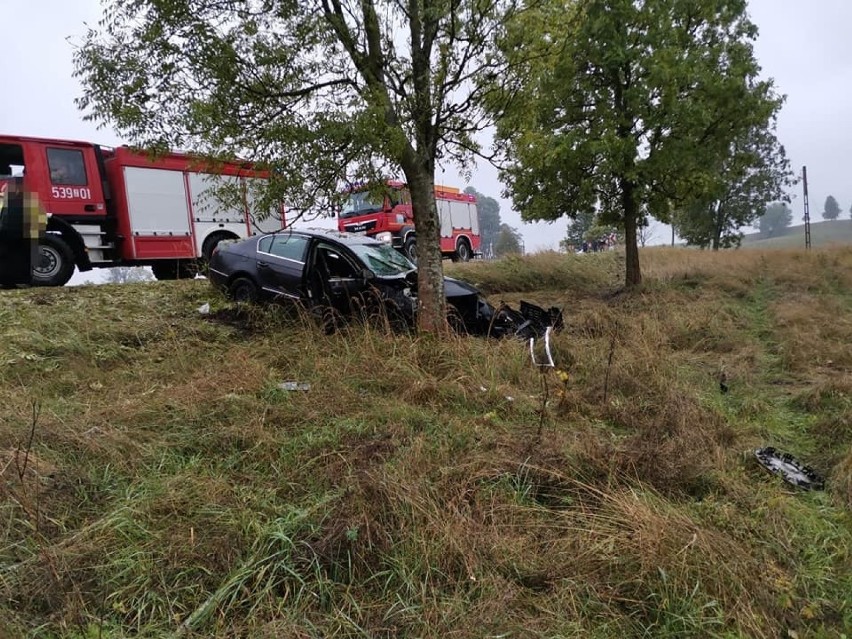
{"type": "Point", "coordinates": [264, 244]}
{"type": "Point", "coordinates": [288, 246]}
{"type": "Point", "coordinates": [336, 265]}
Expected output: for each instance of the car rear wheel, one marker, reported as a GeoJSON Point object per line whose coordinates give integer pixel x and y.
{"type": "Point", "coordinates": [243, 290]}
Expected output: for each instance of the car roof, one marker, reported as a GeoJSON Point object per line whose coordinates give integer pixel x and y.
{"type": "Point", "coordinates": [349, 239]}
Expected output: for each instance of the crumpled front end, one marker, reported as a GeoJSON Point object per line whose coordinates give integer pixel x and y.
{"type": "Point", "coordinates": [530, 321]}
{"type": "Point", "coordinates": [471, 313]}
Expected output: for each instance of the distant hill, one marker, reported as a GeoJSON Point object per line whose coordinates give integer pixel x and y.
{"type": "Point", "coordinates": [822, 234]}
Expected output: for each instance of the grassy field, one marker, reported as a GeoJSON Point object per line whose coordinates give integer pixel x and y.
{"type": "Point", "coordinates": [823, 234]}
{"type": "Point", "coordinates": [156, 481]}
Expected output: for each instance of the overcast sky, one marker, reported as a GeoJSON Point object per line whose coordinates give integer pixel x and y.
{"type": "Point", "coordinates": [802, 45]}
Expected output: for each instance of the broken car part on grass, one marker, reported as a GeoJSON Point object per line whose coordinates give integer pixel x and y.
{"type": "Point", "coordinates": [789, 468]}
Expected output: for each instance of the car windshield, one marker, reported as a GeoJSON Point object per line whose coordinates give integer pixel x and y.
{"type": "Point", "coordinates": [361, 203]}
{"type": "Point", "coordinates": [382, 259]}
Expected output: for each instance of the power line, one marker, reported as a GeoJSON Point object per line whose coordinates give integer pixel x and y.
{"type": "Point", "coordinates": [807, 208]}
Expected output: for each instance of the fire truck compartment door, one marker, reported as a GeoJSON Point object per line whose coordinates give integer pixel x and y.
{"type": "Point", "coordinates": [457, 215]}
{"type": "Point", "coordinates": [261, 221]}
{"type": "Point", "coordinates": [217, 198]}
{"type": "Point", "coordinates": [157, 202]}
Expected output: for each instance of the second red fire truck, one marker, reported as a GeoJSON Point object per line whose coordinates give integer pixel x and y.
{"type": "Point", "coordinates": [385, 213]}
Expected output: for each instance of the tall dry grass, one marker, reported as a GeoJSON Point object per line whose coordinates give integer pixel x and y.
{"type": "Point", "coordinates": [432, 488]}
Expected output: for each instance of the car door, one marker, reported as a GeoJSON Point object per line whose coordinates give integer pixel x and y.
{"type": "Point", "coordinates": [281, 263]}
{"type": "Point", "coordinates": [335, 277]}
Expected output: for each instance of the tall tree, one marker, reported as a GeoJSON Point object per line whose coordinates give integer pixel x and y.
{"type": "Point", "coordinates": [315, 91]}
{"type": "Point", "coordinates": [629, 107]}
{"type": "Point", "coordinates": [775, 219]}
{"type": "Point", "coordinates": [489, 219]}
{"type": "Point", "coordinates": [509, 242]}
{"type": "Point", "coordinates": [755, 172]}
{"type": "Point", "coordinates": [831, 210]}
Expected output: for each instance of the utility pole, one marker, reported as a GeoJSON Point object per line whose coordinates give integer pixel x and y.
{"type": "Point", "coordinates": [807, 208]}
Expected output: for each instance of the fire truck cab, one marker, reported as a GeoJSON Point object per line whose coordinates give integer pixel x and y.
{"type": "Point", "coordinates": [385, 212]}
{"type": "Point", "coordinates": [120, 207]}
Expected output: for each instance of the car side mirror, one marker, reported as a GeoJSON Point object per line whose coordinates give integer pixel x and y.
{"type": "Point", "coordinates": [367, 275]}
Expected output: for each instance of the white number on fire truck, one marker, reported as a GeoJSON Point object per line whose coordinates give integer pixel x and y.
{"type": "Point", "coordinates": [67, 192]}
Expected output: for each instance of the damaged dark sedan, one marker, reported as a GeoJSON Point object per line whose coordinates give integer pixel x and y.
{"type": "Point", "coordinates": [347, 274]}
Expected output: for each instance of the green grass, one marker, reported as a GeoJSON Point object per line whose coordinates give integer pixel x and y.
{"type": "Point", "coordinates": [157, 482]}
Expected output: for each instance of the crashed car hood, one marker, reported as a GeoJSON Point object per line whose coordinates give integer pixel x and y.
{"type": "Point", "coordinates": [453, 288]}
{"type": "Point", "coordinates": [457, 288]}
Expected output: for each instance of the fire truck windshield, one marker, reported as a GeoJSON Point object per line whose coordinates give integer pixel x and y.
{"type": "Point", "coordinates": [361, 203]}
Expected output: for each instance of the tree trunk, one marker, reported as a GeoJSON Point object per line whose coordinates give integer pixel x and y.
{"type": "Point", "coordinates": [717, 227]}
{"type": "Point", "coordinates": [633, 274]}
{"type": "Point", "coordinates": [432, 303]}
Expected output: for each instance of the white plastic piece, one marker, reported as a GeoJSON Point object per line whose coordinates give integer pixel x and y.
{"type": "Point", "coordinates": [294, 386]}
{"type": "Point", "coordinates": [544, 364]}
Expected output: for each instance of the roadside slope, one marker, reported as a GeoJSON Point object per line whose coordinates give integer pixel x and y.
{"type": "Point", "coordinates": [155, 479]}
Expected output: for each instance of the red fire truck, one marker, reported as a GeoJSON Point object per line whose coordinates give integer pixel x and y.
{"type": "Point", "coordinates": [119, 207]}
{"type": "Point", "coordinates": [385, 213]}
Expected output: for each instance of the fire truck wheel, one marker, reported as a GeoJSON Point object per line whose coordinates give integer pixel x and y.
{"type": "Point", "coordinates": [175, 269]}
{"type": "Point", "coordinates": [165, 270]}
{"type": "Point", "coordinates": [243, 289]}
{"type": "Point", "coordinates": [211, 242]}
{"type": "Point", "coordinates": [55, 264]}
{"type": "Point", "coordinates": [410, 249]}
{"type": "Point", "coordinates": [188, 269]}
{"type": "Point", "coordinates": [463, 252]}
